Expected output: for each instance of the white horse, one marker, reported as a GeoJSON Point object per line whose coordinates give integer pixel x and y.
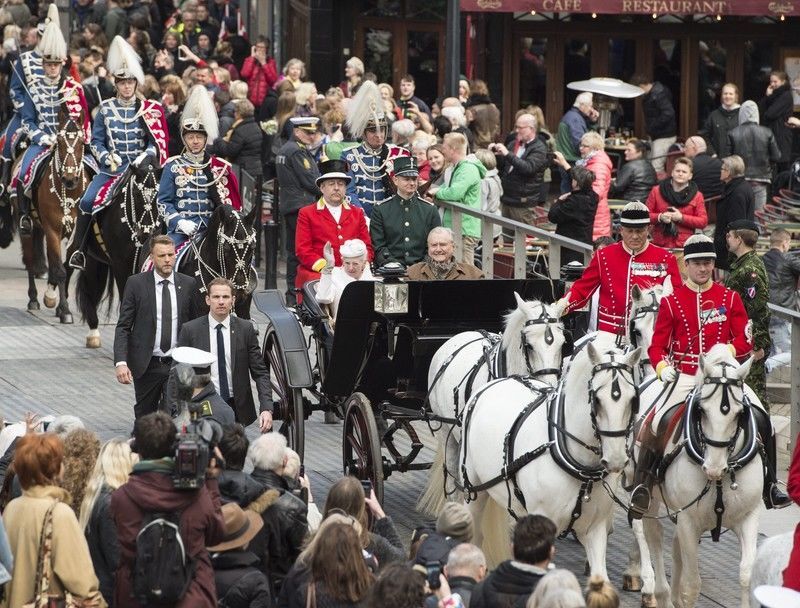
{"type": "Point", "coordinates": [530, 345]}
{"type": "Point", "coordinates": [693, 489]}
{"type": "Point", "coordinates": [771, 560]}
{"type": "Point", "coordinates": [644, 309]}
{"type": "Point", "coordinates": [589, 418]}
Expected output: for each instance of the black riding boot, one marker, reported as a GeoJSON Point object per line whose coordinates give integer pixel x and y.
{"type": "Point", "coordinates": [774, 498]}
{"type": "Point", "coordinates": [644, 477]}
{"type": "Point", "coordinates": [78, 260]}
{"type": "Point", "coordinates": [24, 206]}
{"type": "Point", "coordinates": [5, 171]}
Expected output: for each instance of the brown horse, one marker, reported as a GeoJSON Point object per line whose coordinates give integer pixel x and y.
{"type": "Point", "coordinates": [54, 207]}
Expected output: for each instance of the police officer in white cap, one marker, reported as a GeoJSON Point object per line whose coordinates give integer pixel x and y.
{"type": "Point", "coordinates": [211, 404]}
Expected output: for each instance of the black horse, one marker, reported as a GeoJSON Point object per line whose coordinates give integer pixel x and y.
{"type": "Point", "coordinates": [226, 250]}
{"type": "Point", "coordinates": [118, 244]}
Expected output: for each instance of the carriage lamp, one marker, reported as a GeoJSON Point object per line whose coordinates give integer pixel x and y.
{"type": "Point", "coordinates": [391, 297]}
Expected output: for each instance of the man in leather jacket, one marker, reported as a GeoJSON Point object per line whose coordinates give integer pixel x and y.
{"type": "Point", "coordinates": [757, 147]}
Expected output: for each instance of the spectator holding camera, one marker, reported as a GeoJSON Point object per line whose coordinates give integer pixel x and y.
{"type": "Point", "coordinates": [407, 97]}
{"type": "Point", "coordinates": [149, 492]}
{"type": "Point", "coordinates": [465, 568]}
{"type": "Point", "coordinates": [676, 207]}
{"type": "Point", "coordinates": [349, 496]}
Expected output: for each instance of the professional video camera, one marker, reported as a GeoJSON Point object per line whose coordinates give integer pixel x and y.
{"type": "Point", "coordinates": [196, 437]}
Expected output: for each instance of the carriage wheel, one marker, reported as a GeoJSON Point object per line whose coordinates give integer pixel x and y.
{"type": "Point", "coordinates": [361, 448]}
{"type": "Point", "coordinates": [289, 401]}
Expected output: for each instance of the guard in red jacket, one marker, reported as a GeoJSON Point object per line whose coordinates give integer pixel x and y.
{"type": "Point", "coordinates": [331, 219]}
{"type": "Point", "coordinates": [791, 575]}
{"type": "Point", "coordinates": [695, 317]}
{"type": "Point", "coordinates": [617, 268]}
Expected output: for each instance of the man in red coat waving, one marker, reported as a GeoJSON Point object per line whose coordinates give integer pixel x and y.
{"type": "Point", "coordinates": [332, 219]}
{"type": "Point", "coordinates": [615, 269]}
{"type": "Point", "coordinates": [695, 317]}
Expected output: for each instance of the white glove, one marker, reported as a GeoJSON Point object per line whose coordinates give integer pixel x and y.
{"type": "Point", "coordinates": [140, 159]}
{"type": "Point", "coordinates": [187, 227]}
{"type": "Point", "coordinates": [669, 374]}
{"type": "Point", "coordinates": [327, 253]}
{"type": "Point", "coordinates": [47, 140]}
{"type": "Point", "coordinates": [113, 159]}
{"type": "Point", "coordinates": [561, 307]}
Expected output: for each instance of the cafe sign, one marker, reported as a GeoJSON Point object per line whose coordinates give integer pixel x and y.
{"type": "Point", "coordinates": [773, 8]}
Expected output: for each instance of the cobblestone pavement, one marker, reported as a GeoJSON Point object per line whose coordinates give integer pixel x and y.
{"type": "Point", "coordinates": [45, 368]}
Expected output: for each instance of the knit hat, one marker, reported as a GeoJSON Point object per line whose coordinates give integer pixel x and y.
{"type": "Point", "coordinates": [455, 520]}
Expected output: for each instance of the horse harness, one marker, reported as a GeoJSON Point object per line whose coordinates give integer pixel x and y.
{"type": "Point", "coordinates": [243, 250]}
{"type": "Point", "coordinates": [67, 203]}
{"type": "Point", "coordinates": [633, 333]}
{"type": "Point", "coordinates": [695, 440]}
{"type": "Point", "coordinates": [146, 224]}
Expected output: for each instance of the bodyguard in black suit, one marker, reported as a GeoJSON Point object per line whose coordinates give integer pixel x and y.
{"type": "Point", "coordinates": [143, 342]}
{"type": "Point", "coordinates": [235, 344]}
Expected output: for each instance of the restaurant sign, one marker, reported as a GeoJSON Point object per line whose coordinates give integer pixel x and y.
{"type": "Point", "coordinates": [772, 8]}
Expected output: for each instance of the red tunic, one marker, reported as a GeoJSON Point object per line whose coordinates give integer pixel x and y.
{"type": "Point", "coordinates": [791, 575]}
{"type": "Point", "coordinates": [694, 217]}
{"type": "Point", "coordinates": [615, 271]}
{"type": "Point", "coordinates": [678, 338]}
{"type": "Point", "coordinates": [316, 226]}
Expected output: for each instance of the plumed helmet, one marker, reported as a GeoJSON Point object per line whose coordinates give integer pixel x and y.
{"type": "Point", "coordinates": [123, 62]}
{"type": "Point", "coordinates": [365, 110]}
{"type": "Point", "coordinates": [199, 114]}
{"type": "Point", "coordinates": [52, 46]}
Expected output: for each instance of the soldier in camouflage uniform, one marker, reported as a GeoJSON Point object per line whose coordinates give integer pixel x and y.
{"type": "Point", "coordinates": [748, 278]}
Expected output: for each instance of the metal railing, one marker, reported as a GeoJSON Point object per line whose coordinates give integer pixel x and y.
{"type": "Point", "coordinates": [489, 220]}
{"type": "Point", "coordinates": [556, 242]}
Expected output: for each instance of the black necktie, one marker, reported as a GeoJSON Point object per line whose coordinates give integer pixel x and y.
{"type": "Point", "coordinates": [166, 317]}
{"type": "Point", "coordinates": [224, 392]}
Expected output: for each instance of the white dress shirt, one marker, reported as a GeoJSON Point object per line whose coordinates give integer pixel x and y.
{"type": "Point", "coordinates": [335, 211]}
{"type": "Point", "coordinates": [157, 352]}
{"type": "Point", "coordinates": [212, 340]}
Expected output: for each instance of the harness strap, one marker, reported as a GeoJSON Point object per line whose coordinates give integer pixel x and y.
{"type": "Point", "coordinates": [719, 509]}
{"type": "Point", "coordinates": [583, 496]}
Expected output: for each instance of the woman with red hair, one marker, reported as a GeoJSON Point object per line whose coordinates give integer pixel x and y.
{"type": "Point", "coordinates": [43, 512]}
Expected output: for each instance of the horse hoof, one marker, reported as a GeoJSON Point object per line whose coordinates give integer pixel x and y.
{"type": "Point", "coordinates": [49, 301]}
{"type": "Point", "coordinates": [67, 319]}
{"type": "Point", "coordinates": [33, 305]}
{"type": "Point", "coordinates": [649, 601]}
{"type": "Point", "coordinates": [93, 342]}
{"type": "Point", "coordinates": [631, 583]}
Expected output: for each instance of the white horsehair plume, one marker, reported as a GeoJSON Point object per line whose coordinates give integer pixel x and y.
{"type": "Point", "coordinates": [199, 112]}
{"type": "Point", "coordinates": [698, 238]}
{"type": "Point", "coordinates": [53, 45]}
{"type": "Point", "coordinates": [123, 62]}
{"type": "Point", "coordinates": [366, 106]}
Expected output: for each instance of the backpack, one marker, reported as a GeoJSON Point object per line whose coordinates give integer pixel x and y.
{"type": "Point", "coordinates": [162, 572]}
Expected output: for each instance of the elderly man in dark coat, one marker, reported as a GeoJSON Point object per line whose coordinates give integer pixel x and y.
{"type": "Point", "coordinates": [737, 203]}
{"type": "Point", "coordinates": [399, 227]}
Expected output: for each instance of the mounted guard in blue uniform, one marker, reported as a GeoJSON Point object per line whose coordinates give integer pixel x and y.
{"type": "Point", "coordinates": [127, 133]}
{"type": "Point", "coordinates": [44, 97]}
{"type": "Point", "coordinates": [194, 183]}
{"type": "Point", "coordinates": [372, 160]}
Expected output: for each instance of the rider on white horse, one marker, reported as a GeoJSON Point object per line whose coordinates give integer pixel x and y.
{"type": "Point", "coordinates": [691, 320]}
{"type": "Point", "coordinates": [617, 268]}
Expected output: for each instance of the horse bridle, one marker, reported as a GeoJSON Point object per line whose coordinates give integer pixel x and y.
{"type": "Point", "coordinates": [67, 202]}
{"type": "Point", "coordinates": [640, 314]}
{"type": "Point", "coordinates": [243, 251]}
{"type": "Point", "coordinates": [70, 153]}
{"type": "Point", "coordinates": [724, 382]}
{"type": "Point", "coordinates": [543, 319]}
{"type": "Point", "coordinates": [619, 368]}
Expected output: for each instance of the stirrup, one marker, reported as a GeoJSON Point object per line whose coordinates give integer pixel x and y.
{"type": "Point", "coordinates": [25, 224]}
{"type": "Point", "coordinates": [776, 498]}
{"type": "Point", "coordinates": [640, 502]}
{"type": "Point", "coordinates": [77, 260]}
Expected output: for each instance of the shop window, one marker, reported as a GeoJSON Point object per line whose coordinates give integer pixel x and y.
{"type": "Point", "coordinates": [710, 77]}
{"type": "Point", "coordinates": [429, 10]}
{"type": "Point", "coordinates": [378, 53]}
{"type": "Point", "coordinates": [759, 56]}
{"type": "Point", "coordinates": [622, 65]}
{"type": "Point", "coordinates": [667, 69]}
{"type": "Point", "coordinates": [532, 72]}
{"type": "Point", "coordinates": [577, 66]}
{"type": "Point", "coordinates": [381, 8]}
{"type": "Point", "coordinates": [423, 63]}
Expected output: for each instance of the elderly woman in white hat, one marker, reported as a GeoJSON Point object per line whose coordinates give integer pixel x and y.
{"type": "Point", "coordinates": [333, 279]}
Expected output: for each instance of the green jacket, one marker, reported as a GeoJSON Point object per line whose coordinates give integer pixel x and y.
{"type": "Point", "coordinates": [399, 230]}
{"type": "Point", "coordinates": [464, 187]}
{"type": "Point", "coordinates": [748, 278]}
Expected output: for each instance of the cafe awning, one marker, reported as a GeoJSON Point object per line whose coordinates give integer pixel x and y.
{"type": "Point", "coordinates": [768, 8]}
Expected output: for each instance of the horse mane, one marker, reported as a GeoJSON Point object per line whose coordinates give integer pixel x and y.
{"type": "Point", "coordinates": [219, 216]}
{"type": "Point", "coordinates": [514, 322]}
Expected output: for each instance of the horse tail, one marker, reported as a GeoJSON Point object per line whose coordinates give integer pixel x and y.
{"type": "Point", "coordinates": [94, 284]}
{"type": "Point", "coordinates": [496, 529]}
{"type": "Point", "coordinates": [432, 499]}
{"type": "Point", "coordinates": [7, 225]}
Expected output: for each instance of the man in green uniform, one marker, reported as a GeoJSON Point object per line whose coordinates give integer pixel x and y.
{"type": "Point", "coordinates": [399, 227]}
{"type": "Point", "coordinates": [748, 278]}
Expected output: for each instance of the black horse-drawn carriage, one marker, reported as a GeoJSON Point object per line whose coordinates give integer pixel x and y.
{"type": "Point", "coordinates": [372, 371]}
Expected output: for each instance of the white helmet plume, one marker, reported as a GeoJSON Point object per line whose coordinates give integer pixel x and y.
{"type": "Point", "coordinates": [123, 62]}
{"type": "Point", "coordinates": [365, 109]}
{"type": "Point", "coordinates": [199, 114]}
{"type": "Point", "coordinates": [52, 46]}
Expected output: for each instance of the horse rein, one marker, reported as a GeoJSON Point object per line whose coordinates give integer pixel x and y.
{"type": "Point", "coordinates": [243, 251]}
